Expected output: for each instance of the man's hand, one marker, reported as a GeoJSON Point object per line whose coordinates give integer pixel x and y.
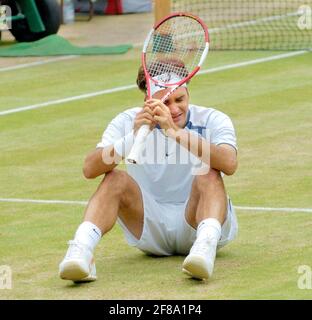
{"type": "Point", "coordinates": [161, 114]}
{"type": "Point", "coordinates": [144, 117]}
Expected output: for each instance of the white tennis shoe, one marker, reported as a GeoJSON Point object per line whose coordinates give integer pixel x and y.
{"type": "Point", "coordinates": [78, 264]}
{"type": "Point", "coordinates": [199, 263]}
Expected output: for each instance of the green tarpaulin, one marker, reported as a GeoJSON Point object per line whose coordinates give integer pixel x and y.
{"type": "Point", "coordinates": [55, 45]}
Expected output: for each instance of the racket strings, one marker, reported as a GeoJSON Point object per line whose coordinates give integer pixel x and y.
{"type": "Point", "coordinates": [176, 47]}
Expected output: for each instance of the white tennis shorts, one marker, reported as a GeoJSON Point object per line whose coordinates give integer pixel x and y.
{"type": "Point", "coordinates": [166, 232]}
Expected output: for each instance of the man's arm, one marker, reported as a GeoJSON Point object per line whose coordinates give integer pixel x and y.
{"type": "Point", "coordinates": [100, 161]}
{"type": "Point", "coordinates": [221, 157]}
{"type": "Point", "coordinates": [103, 160]}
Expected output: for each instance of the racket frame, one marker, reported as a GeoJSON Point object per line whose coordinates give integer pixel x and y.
{"type": "Point", "coordinates": [144, 130]}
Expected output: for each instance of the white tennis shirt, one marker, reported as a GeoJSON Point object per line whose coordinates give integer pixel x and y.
{"type": "Point", "coordinates": [168, 169]}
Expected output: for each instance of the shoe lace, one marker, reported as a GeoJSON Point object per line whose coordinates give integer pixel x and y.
{"type": "Point", "coordinates": [202, 247]}
{"type": "Point", "coordinates": [75, 249]}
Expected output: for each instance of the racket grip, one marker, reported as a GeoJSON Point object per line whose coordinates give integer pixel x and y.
{"type": "Point", "coordinates": [138, 145]}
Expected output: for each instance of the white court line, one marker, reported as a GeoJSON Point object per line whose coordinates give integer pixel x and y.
{"type": "Point", "coordinates": [69, 202]}
{"type": "Point", "coordinates": [128, 87]}
{"type": "Point", "coordinates": [44, 201]}
{"type": "Point", "coordinates": [37, 63]}
{"type": "Point", "coordinates": [274, 209]}
{"type": "Point", "coordinates": [252, 62]}
{"type": "Point", "coordinates": [59, 101]}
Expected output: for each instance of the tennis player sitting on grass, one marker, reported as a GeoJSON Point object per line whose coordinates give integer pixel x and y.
{"type": "Point", "coordinates": [163, 206]}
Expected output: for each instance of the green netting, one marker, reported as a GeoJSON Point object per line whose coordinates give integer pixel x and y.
{"type": "Point", "coordinates": [254, 24]}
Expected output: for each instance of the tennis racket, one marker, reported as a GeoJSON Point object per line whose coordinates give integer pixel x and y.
{"type": "Point", "coordinates": [174, 49]}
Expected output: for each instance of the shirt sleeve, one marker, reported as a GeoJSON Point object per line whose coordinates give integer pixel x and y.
{"type": "Point", "coordinates": [223, 131]}
{"type": "Point", "coordinates": [121, 125]}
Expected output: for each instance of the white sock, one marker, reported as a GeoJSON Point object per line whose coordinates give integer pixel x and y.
{"type": "Point", "coordinates": [88, 234]}
{"type": "Point", "coordinates": [209, 229]}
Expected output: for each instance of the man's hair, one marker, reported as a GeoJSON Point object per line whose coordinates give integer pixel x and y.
{"type": "Point", "coordinates": [159, 67]}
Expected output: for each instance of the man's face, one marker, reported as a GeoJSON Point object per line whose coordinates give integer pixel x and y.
{"type": "Point", "coordinates": [177, 103]}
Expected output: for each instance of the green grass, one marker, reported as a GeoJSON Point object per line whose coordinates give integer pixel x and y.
{"type": "Point", "coordinates": [42, 153]}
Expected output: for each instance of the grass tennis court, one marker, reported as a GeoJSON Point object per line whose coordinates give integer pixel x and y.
{"type": "Point", "coordinates": [42, 152]}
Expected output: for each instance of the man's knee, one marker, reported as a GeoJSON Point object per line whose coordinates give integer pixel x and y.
{"type": "Point", "coordinates": [115, 176]}
{"type": "Point", "coordinates": [114, 182]}
{"type": "Point", "coordinates": [209, 180]}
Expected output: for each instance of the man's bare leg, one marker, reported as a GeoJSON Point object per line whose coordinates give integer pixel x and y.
{"type": "Point", "coordinates": [118, 195]}
{"type": "Point", "coordinates": [207, 200]}
{"type": "Point", "coordinates": [206, 211]}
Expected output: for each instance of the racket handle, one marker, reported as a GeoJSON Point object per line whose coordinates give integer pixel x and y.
{"type": "Point", "coordinates": [138, 145]}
